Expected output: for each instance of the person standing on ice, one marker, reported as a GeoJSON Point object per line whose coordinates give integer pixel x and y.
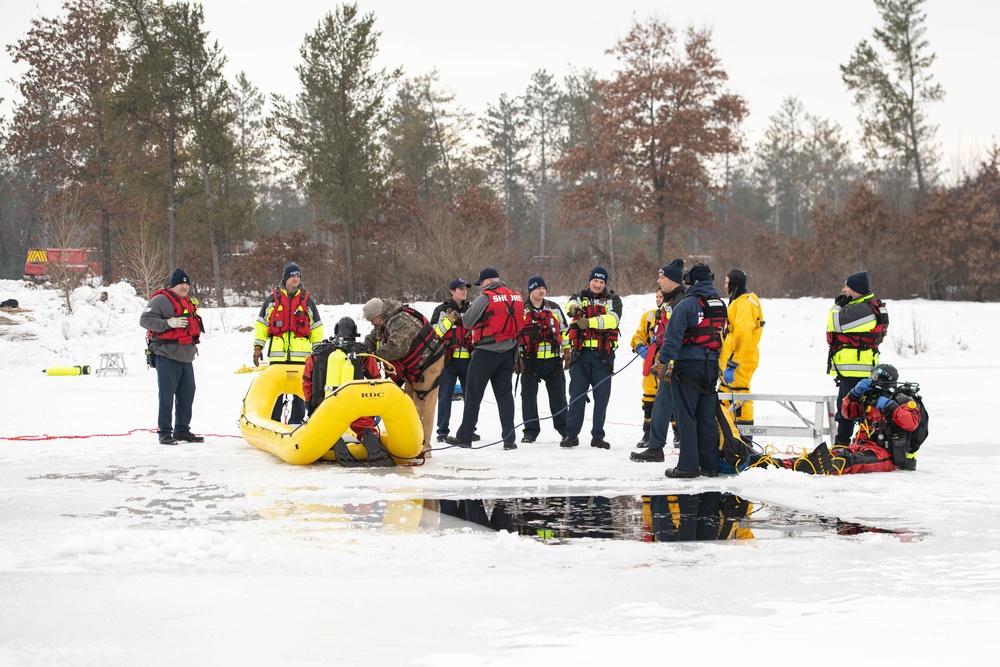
{"type": "Point", "coordinates": [496, 317]}
{"type": "Point", "coordinates": [457, 341]}
{"type": "Point", "coordinates": [689, 361]}
{"type": "Point", "coordinates": [661, 410]}
{"type": "Point", "coordinates": [174, 327]}
{"type": "Point", "coordinates": [545, 353]}
{"type": "Point", "coordinates": [290, 325]}
{"type": "Point", "coordinates": [740, 354]}
{"type": "Point", "coordinates": [404, 337]}
{"type": "Point", "coordinates": [593, 333]}
{"type": "Point", "coordinates": [855, 328]}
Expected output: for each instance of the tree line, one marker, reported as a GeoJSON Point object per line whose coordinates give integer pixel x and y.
{"type": "Point", "coordinates": [128, 137]}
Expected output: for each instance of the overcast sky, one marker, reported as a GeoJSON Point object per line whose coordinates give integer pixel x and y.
{"type": "Point", "coordinates": [772, 49]}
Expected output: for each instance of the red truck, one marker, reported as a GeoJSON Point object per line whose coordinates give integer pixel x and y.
{"type": "Point", "coordinates": [72, 260]}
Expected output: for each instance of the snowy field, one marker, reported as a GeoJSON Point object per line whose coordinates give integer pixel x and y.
{"type": "Point", "coordinates": [115, 550]}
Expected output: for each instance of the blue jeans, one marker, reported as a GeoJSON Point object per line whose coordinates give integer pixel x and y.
{"type": "Point", "coordinates": [175, 380]}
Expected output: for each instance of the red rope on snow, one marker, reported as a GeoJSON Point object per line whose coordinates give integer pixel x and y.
{"type": "Point", "coordinates": [40, 438]}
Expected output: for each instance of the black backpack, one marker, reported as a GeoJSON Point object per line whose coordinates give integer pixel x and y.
{"type": "Point", "coordinates": [911, 392]}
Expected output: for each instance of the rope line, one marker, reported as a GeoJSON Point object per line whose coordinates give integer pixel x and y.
{"type": "Point", "coordinates": [45, 436]}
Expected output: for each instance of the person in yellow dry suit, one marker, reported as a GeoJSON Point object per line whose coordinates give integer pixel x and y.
{"type": "Point", "coordinates": [741, 343]}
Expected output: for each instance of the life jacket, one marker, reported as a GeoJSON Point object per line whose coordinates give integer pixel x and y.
{"type": "Point", "coordinates": [606, 339]}
{"type": "Point", "coordinates": [411, 366]}
{"type": "Point", "coordinates": [289, 313]}
{"type": "Point", "coordinates": [540, 326]}
{"type": "Point", "coordinates": [862, 340]}
{"type": "Point", "coordinates": [503, 318]}
{"type": "Point", "coordinates": [457, 340]}
{"type": "Point", "coordinates": [712, 319]}
{"type": "Point", "coordinates": [183, 307]}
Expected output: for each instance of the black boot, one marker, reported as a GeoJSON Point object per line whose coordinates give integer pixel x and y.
{"type": "Point", "coordinates": [570, 441]}
{"type": "Point", "coordinates": [645, 436]}
{"type": "Point", "coordinates": [600, 443]}
{"type": "Point", "coordinates": [651, 455]}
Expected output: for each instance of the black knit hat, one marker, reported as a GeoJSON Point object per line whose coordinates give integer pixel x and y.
{"type": "Point", "coordinates": [859, 282]}
{"type": "Point", "coordinates": [534, 282]}
{"type": "Point", "coordinates": [600, 273]}
{"type": "Point", "coordinates": [674, 270]}
{"type": "Point", "coordinates": [290, 270]}
{"type": "Point", "coordinates": [179, 277]}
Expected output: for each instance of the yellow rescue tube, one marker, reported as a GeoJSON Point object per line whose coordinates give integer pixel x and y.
{"type": "Point", "coordinates": [67, 370]}
{"type": "Point", "coordinates": [403, 435]}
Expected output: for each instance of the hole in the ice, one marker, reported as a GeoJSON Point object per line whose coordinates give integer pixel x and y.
{"type": "Point", "coordinates": [710, 515]}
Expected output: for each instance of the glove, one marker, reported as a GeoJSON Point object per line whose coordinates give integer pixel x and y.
{"type": "Point", "coordinates": [667, 373]}
{"type": "Point", "coordinates": [519, 365]}
{"type": "Point", "coordinates": [842, 300]}
{"type": "Point", "coordinates": [729, 375]}
{"type": "Point", "coordinates": [583, 323]}
{"type": "Point", "coordinates": [452, 316]}
{"type": "Point", "coordinates": [177, 322]}
{"type": "Point", "coordinates": [567, 358]}
{"type": "Point", "coordinates": [884, 402]}
{"type": "Point", "coordinates": [861, 388]}
{"type": "Point", "coordinates": [258, 354]}
{"type": "Point", "coordinates": [641, 350]}
{"type": "Point", "coordinates": [571, 309]}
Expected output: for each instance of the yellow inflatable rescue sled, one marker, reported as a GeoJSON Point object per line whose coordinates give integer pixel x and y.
{"type": "Point", "coordinates": [402, 436]}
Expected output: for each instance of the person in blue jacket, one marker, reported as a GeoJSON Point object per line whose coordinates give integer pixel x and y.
{"type": "Point", "coordinates": [688, 367]}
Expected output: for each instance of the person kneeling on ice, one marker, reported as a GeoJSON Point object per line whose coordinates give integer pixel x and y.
{"type": "Point", "coordinates": [893, 425]}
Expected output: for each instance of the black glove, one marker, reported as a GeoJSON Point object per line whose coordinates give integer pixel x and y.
{"type": "Point", "coordinates": [842, 300]}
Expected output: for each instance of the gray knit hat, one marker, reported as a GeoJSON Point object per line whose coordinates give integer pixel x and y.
{"type": "Point", "coordinates": [373, 308]}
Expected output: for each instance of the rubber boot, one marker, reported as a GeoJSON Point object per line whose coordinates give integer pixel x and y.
{"type": "Point", "coordinates": [645, 436]}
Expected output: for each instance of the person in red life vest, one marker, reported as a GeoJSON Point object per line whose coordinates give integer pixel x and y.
{"type": "Point", "coordinates": [457, 341]}
{"type": "Point", "coordinates": [496, 318]}
{"type": "Point", "coordinates": [593, 334]}
{"type": "Point", "coordinates": [404, 337]}
{"type": "Point", "coordinates": [545, 350]}
{"type": "Point", "coordinates": [856, 326]}
{"type": "Point", "coordinates": [661, 412]}
{"type": "Point", "coordinates": [345, 342]}
{"type": "Point", "coordinates": [174, 327]}
{"type": "Point", "coordinates": [688, 361]}
{"type": "Point", "coordinates": [289, 324]}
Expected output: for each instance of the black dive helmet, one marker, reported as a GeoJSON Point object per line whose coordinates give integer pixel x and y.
{"type": "Point", "coordinates": [884, 375]}
{"type": "Point", "coordinates": [345, 328]}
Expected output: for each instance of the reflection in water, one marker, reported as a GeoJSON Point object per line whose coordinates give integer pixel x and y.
{"type": "Point", "coordinates": [711, 515]}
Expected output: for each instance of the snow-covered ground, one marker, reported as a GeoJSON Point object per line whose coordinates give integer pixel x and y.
{"type": "Point", "coordinates": [115, 550]}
